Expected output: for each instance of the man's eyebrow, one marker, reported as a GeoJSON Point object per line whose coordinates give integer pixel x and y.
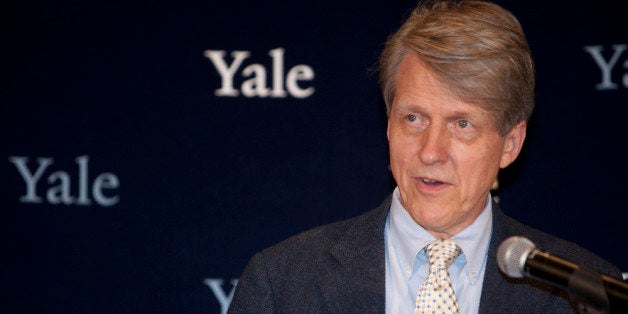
{"type": "Point", "coordinates": [405, 105]}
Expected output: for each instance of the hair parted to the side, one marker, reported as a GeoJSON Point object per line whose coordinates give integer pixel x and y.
{"type": "Point", "coordinates": [477, 49]}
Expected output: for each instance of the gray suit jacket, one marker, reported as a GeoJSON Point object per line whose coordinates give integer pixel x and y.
{"type": "Point", "coordinates": [340, 268]}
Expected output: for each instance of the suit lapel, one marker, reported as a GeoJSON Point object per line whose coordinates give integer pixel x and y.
{"type": "Point", "coordinates": [501, 294]}
{"type": "Point", "coordinates": [497, 292]}
{"type": "Point", "coordinates": [356, 281]}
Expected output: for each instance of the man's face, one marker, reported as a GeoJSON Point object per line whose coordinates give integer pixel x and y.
{"type": "Point", "coordinates": [444, 153]}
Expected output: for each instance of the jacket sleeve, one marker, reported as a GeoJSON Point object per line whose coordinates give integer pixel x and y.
{"type": "Point", "coordinates": [253, 293]}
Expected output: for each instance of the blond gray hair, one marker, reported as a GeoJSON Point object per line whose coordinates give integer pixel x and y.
{"type": "Point", "coordinates": [475, 48]}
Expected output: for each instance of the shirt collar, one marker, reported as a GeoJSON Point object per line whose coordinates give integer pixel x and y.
{"type": "Point", "coordinates": [474, 240]}
{"type": "Point", "coordinates": [409, 238]}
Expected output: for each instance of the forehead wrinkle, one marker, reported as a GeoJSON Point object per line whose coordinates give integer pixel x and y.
{"type": "Point", "coordinates": [451, 110]}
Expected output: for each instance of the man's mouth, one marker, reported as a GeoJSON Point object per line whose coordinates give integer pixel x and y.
{"type": "Point", "coordinates": [431, 182]}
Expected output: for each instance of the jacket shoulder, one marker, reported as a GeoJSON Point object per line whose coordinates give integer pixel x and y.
{"type": "Point", "coordinates": [300, 273]}
{"type": "Point", "coordinates": [311, 245]}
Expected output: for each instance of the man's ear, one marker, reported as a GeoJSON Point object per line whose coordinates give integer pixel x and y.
{"type": "Point", "coordinates": [513, 144]}
{"type": "Point", "coordinates": [388, 129]}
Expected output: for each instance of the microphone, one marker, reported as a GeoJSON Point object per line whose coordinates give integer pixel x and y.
{"type": "Point", "coordinates": [518, 257]}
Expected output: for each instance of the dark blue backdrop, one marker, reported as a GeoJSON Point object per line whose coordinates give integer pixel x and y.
{"type": "Point", "coordinates": [129, 186]}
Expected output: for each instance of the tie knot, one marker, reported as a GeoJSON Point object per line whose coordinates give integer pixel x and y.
{"type": "Point", "coordinates": [442, 253]}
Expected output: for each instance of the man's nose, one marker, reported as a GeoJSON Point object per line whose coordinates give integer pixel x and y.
{"type": "Point", "coordinates": [434, 144]}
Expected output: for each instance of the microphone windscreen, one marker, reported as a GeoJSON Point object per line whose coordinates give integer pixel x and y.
{"type": "Point", "coordinates": [512, 255]}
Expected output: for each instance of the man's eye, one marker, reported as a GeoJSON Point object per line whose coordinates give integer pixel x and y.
{"type": "Point", "coordinates": [464, 124]}
{"type": "Point", "coordinates": [411, 118]}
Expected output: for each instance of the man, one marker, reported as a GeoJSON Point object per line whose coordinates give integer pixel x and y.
{"type": "Point", "coordinates": [458, 82]}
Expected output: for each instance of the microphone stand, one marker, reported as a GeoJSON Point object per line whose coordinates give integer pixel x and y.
{"type": "Point", "coordinates": [593, 292]}
{"type": "Point", "coordinates": [586, 288]}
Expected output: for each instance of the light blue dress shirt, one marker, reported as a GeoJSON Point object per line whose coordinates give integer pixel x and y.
{"type": "Point", "coordinates": [407, 265]}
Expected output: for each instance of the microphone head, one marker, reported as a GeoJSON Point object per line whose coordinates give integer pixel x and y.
{"type": "Point", "coordinates": [512, 255]}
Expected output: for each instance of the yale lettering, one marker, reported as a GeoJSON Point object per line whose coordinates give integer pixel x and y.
{"type": "Point", "coordinates": [606, 66]}
{"type": "Point", "coordinates": [255, 83]}
{"type": "Point", "coordinates": [59, 189]}
{"type": "Point", "coordinates": [215, 284]}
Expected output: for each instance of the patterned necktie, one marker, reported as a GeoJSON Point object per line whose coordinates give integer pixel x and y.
{"type": "Point", "coordinates": [436, 295]}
